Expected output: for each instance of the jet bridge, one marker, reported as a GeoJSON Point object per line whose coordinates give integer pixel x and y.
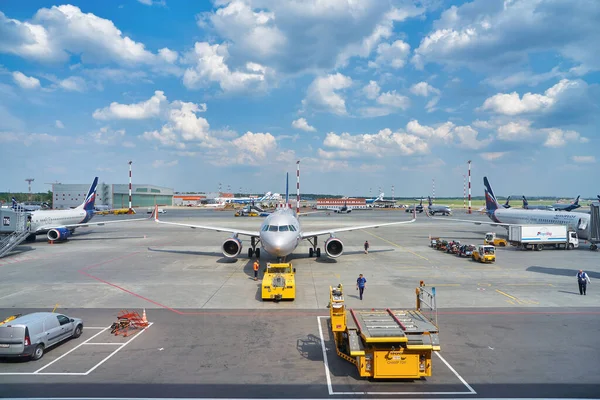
{"type": "Point", "coordinates": [13, 229]}
{"type": "Point", "coordinates": [386, 343]}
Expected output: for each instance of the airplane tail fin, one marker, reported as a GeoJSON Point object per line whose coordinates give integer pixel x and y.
{"type": "Point", "coordinates": [576, 202]}
{"type": "Point", "coordinates": [507, 200]}
{"type": "Point", "coordinates": [287, 189]}
{"type": "Point", "coordinates": [490, 200]}
{"type": "Point", "coordinates": [525, 202]}
{"type": "Point", "coordinates": [14, 203]}
{"type": "Point", "coordinates": [88, 204]}
{"type": "Point", "coordinates": [429, 200]}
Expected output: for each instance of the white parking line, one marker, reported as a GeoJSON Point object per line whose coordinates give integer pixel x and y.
{"type": "Point", "coordinates": [87, 342]}
{"type": "Point", "coordinates": [119, 349]}
{"type": "Point", "coordinates": [70, 351]}
{"type": "Point", "coordinates": [330, 387]}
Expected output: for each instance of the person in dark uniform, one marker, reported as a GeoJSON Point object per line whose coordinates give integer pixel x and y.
{"type": "Point", "coordinates": [366, 247]}
{"type": "Point", "coordinates": [361, 282]}
{"type": "Point", "coordinates": [583, 279]}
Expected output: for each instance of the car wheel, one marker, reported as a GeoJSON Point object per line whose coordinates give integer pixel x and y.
{"type": "Point", "coordinates": [78, 331]}
{"type": "Point", "coordinates": [38, 352]}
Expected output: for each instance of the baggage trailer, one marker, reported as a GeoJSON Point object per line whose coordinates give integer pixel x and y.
{"type": "Point", "coordinates": [536, 237]}
{"type": "Point", "coordinates": [386, 343]}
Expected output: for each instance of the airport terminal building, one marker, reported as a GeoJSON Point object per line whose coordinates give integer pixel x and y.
{"type": "Point", "coordinates": [65, 196]}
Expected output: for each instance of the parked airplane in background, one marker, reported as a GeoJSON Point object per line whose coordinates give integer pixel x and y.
{"type": "Point", "coordinates": [60, 224]}
{"type": "Point", "coordinates": [416, 207]}
{"type": "Point", "coordinates": [579, 222]}
{"type": "Point", "coordinates": [526, 206]}
{"type": "Point", "coordinates": [375, 200]}
{"type": "Point", "coordinates": [506, 205]}
{"type": "Point", "coordinates": [438, 208]}
{"type": "Point", "coordinates": [280, 234]}
{"type": "Point", "coordinates": [343, 209]}
{"type": "Point", "coordinates": [566, 207]}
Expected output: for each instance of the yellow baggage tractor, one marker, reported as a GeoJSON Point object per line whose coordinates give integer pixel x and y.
{"type": "Point", "coordinates": [386, 343]}
{"type": "Point", "coordinates": [279, 282]}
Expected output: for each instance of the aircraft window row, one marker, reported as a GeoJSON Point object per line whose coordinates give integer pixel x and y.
{"type": "Point", "coordinates": [279, 228]}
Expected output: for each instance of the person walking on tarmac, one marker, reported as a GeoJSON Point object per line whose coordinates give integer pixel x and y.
{"type": "Point", "coordinates": [29, 222]}
{"type": "Point", "coordinates": [256, 266]}
{"type": "Point", "coordinates": [366, 247]}
{"type": "Point", "coordinates": [361, 282]}
{"type": "Point", "coordinates": [583, 279]}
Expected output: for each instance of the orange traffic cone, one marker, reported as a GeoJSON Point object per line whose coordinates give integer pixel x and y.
{"type": "Point", "coordinates": [144, 317]}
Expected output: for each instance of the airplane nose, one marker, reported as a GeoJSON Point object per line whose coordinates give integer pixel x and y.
{"type": "Point", "coordinates": [279, 246]}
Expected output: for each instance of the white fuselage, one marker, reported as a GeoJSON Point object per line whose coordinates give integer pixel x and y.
{"type": "Point", "coordinates": [44, 220]}
{"type": "Point", "coordinates": [280, 233]}
{"type": "Point", "coordinates": [579, 222]}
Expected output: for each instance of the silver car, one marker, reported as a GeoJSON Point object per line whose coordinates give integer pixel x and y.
{"type": "Point", "coordinates": [30, 335]}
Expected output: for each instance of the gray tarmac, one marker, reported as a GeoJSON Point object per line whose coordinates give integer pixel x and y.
{"type": "Point", "coordinates": [516, 328]}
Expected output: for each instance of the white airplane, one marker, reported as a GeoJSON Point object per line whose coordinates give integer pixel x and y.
{"type": "Point", "coordinates": [58, 225]}
{"type": "Point", "coordinates": [342, 209]}
{"type": "Point", "coordinates": [280, 234]}
{"type": "Point", "coordinates": [504, 217]}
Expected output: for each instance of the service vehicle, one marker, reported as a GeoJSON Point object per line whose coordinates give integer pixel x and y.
{"type": "Point", "coordinates": [151, 210]}
{"type": "Point", "coordinates": [537, 237]}
{"type": "Point", "coordinates": [453, 247]}
{"type": "Point", "coordinates": [279, 282]}
{"type": "Point", "coordinates": [484, 253]}
{"type": "Point", "coordinates": [32, 334]}
{"type": "Point", "coordinates": [386, 343]}
{"type": "Point", "coordinates": [433, 241]}
{"type": "Point", "coordinates": [490, 238]}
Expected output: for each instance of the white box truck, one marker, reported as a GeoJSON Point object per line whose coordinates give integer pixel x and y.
{"type": "Point", "coordinates": [536, 237]}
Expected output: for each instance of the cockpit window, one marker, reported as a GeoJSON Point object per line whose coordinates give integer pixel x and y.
{"type": "Point", "coordinates": [265, 228]}
{"type": "Point", "coordinates": [283, 228]}
{"type": "Point", "coordinates": [272, 228]}
{"type": "Point", "coordinates": [292, 228]}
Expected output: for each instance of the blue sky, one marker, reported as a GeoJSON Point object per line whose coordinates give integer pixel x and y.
{"type": "Point", "coordinates": [367, 95]}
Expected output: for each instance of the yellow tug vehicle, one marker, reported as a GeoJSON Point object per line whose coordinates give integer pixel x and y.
{"type": "Point", "coordinates": [279, 282]}
{"type": "Point", "coordinates": [386, 343]}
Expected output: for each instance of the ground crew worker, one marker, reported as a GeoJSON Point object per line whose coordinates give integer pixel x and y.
{"type": "Point", "coordinates": [366, 247]}
{"type": "Point", "coordinates": [29, 222]}
{"type": "Point", "coordinates": [361, 282]}
{"type": "Point", "coordinates": [256, 266]}
{"type": "Point", "coordinates": [583, 279]}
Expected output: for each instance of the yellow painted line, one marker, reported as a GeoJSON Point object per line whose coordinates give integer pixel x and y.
{"type": "Point", "coordinates": [529, 284]}
{"type": "Point", "coordinates": [510, 302]}
{"type": "Point", "coordinates": [507, 295]}
{"type": "Point", "coordinates": [484, 284]}
{"type": "Point", "coordinates": [397, 245]}
{"type": "Point", "coordinates": [442, 284]}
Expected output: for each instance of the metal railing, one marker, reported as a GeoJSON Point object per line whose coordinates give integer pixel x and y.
{"type": "Point", "coordinates": [427, 299]}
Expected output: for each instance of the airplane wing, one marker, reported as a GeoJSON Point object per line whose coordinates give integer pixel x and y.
{"type": "Point", "coordinates": [352, 228]}
{"type": "Point", "coordinates": [47, 227]}
{"type": "Point", "coordinates": [210, 228]}
{"type": "Point", "coordinates": [491, 223]}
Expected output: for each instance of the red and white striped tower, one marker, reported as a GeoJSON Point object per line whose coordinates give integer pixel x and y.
{"type": "Point", "coordinates": [130, 162]}
{"type": "Point", "coordinates": [464, 191]}
{"type": "Point", "coordinates": [298, 186]}
{"type": "Point", "coordinates": [469, 186]}
{"type": "Point", "coordinates": [433, 190]}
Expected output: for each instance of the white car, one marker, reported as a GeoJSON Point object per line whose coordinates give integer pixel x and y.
{"type": "Point", "coordinates": [160, 210]}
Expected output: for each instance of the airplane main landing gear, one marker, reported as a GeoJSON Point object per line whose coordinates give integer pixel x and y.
{"type": "Point", "coordinates": [314, 249]}
{"type": "Point", "coordinates": [254, 249]}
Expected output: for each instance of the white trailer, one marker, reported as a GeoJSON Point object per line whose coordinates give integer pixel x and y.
{"type": "Point", "coordinates": [536, 237]}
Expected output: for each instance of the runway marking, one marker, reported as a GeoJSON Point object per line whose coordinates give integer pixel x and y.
{"type": "Point", "coordinates": [506, 294]}
{"type": "Point", "coordinates": [529, 284]}
{"type": "Point", "coordinates": [442, 284]}
{"type": "Point", "coordinates": [12, 294]}
{"type": "Point", "coordinates": [397, 245]}
{"type": "Point", "coordinates": [516, 299]}
{"type": "Point", "coordinates": [330, 386]}
{"type": "Point", "coordinates": [484, 284]}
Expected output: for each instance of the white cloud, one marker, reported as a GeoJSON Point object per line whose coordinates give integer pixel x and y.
{"type": "Point", "coordinates": [73, 84]}
{"type": "Point", "coordinates": [466, 136]}
{"type": "Point", "coordinates": [511, 104]}
{"type": "Point", "coordinates": [442, 132]}
{"type": "Point", "coordinates": [211, 67]}
{"type": "Point", "coordinates": [164, 164]}
{"type": "Point", "coordinates": [495, 35]}
{"type": "Point", "coordinates": [168, 55]}
{"type": "Point", "coordinates": [559, 138]}
{"type": "Point", "coordinates": [493, 155]}
{"type": "Point", "coordinates": [515, 131]}
{"type": "Point", "coordinates": [423, 89]}
{"type": "Point", "coordinates": [295, 37]}
{"type": "Point", "coordinates": [54, 34]}
{"type": "Point", "coordinates": [394, 54]}
{"type": "Point", "coordinates": [385, 142]}
{"type": "Point", "coordinates": [301, 124]}
{"type": "Point", "coordinates": [584, 159]}
{"type": "Point", "coordinates": [107, 136]}
{"type": "Point", "coordinates": [322, 95]}
{"type": "Point", "coordinates": [142, 110]}
{"type": "Point", "coordinates": [27, 139]}
{"type": "Point", "coordinates": [371, 90]}
{"type": "Point", "coordinates": [253, 148]}
{"type": "Point", "coordinates": [26, 82]}
{"type": "Point", "coordinates": [59, 124]}
{"type": "Point", "coordinates": [522, 130]}
{"type": "Point", "coordinates": [394, 100]}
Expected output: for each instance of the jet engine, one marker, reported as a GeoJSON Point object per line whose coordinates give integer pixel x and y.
{"type": "Point", "coordinates": [334, 247]}
{"type": "Point", "coordinates": [232, 247]}
{"type": "Point", "coordinates": [58, 234]}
